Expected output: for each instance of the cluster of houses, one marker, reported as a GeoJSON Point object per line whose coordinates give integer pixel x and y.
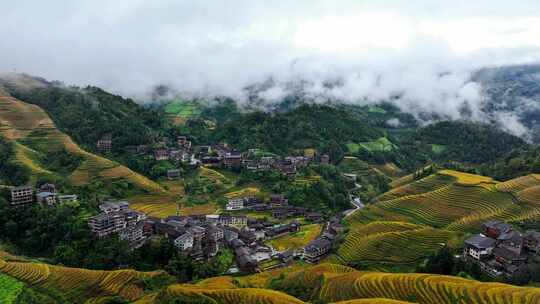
{"type": "Point", "coordinates": [319, 248]}
{"type": "Point", "coordinates": [222, 155]}
{"type": "Point", "coordinates": [278, 205]}
{"type": "Point", "coordinates": [202, 236]}
{"type": "Point", "coordinates": [117, 218]}
{"type": "Point", "coordinates": [45, 194]}
{"type": "Point", "coordinates": [500, 250]}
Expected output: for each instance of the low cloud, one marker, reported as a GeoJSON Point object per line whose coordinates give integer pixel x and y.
{"type": "Point", "coordinates": [417, 55]}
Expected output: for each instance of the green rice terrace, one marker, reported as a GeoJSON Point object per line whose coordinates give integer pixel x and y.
{"type": "Point", "coordinates": [183, 108]}
{"type": "Point", "coordinates": [379, 145]}
{"type": "Point", "coordinates": [406, 224]}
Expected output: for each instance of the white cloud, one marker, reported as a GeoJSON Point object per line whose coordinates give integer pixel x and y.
{"type": "Point", "coordinates": [423, 51]}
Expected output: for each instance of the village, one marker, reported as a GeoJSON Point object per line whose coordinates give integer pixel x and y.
{"type": "Point", "coordinates": [202, 236]}
{"type": "Point", "coordinates": [181, 150]}
{"type": "Point", "coordinates": [500, 250]}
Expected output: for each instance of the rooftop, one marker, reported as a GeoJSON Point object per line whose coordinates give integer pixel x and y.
{"type": "Point", "coordinates": [480, 241]}
{"type": "Point", "coordinates": [318, 244]}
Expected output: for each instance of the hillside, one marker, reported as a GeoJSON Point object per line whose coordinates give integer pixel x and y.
{"type": "Point", "coordinates": [325, 283]}
{"type": "Point", "coordinates": [514, 89]}
{"type": "Point", "coordinates": [35, 136]}
{"type": "Point", "coordinates": [413, 220]}
{"type": "Point", "coordinates": [329, 284]}
{"type": "Point", "coordinates": [86, 114]}
{"type": "Point", "coordinates": [74, 285]}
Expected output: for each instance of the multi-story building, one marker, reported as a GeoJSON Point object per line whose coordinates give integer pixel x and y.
{"type": "Point", "coordinates": [531, 241]}
{"type": "Point", "coordinates": [494, 229]}
{"type": "Point", "coordinates": [112, 206]}
{"type": "Point", "coordinates": [47, 187]}
{"type": "Point", "coordinates": [316, 250]}
{"type": "Point", "coordinates": [173, 174]}
{"type": "Point", "coordinates": [133, 234]}
{"type": "Point", "coordinates": [184, 242]}
{"type": "Point", "coordinates": [105, 144]}
{"type": "Point", "coordinates": [235, 204]}
{"type": "Point", "coordinates": [232, 160]}
{"type": "Point", "coordinates": [233, 220]}
{"type": "Point", "coordinates": [161, 154]}
{"type": "Point", "coordinates": [22, 195]}
{"type": "Point", "coordinates": [46, 198]}
{"type": "Point", "coordinates": [105, 224]}
{"type": "Point", "coordinates": [478, 247]}
{"type": "Point", "coordinates": [278, 200]}
{"type": "Point", "coordinates": [116, 216]}
{"type": "Point", "coordinates": [214, 234]}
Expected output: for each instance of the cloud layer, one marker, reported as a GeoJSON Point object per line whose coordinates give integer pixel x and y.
{"type": "Point", "coordinates": [422, 51]}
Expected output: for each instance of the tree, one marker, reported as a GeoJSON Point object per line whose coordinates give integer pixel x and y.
{"type": "Point", "coordinates": [442, 262]}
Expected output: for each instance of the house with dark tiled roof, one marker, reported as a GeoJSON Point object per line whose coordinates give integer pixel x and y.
{"type": "Point", "coordinates": [317, 250]}
{"type": "Point", "coordinates": [478, 247]}
{"type": "Point", "coordinates": [531, 241]}
{"type": "Point", "coordinates": [494, 228]}
{"type": "Point", "coordinates": [500, 250]}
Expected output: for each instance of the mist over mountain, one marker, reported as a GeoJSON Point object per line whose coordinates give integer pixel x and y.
{"type": "Point", "coordinates": [420, 57]}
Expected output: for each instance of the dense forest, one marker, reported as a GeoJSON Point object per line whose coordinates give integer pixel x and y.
{"type": "Point", "coordinates": [88, 114]}
{"type": "Point", "coordinates": [323, 127]}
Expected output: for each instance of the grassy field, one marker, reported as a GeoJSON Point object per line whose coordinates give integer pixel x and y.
{"type": "Point", "coordinates": [9, 289]}
{"type": "Point", "coordinates": [297, 240]}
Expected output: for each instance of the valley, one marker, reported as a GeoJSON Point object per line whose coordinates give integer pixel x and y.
{"type": "Point", "coordinates": [224, 206]}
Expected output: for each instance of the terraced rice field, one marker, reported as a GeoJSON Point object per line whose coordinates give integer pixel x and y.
{"type": "Point", "coordinates": [307, 180]}
{"type": "Point", "coordinates": [262, 279]}
{"type": "Point", "coordinates": [312, 276]}
{"type": "Point", "coordinates": [169, 203]}
{"type": "Point", "coordinates": [530, 195]}
{"type": "Point", "coordinates": [244, 192]}
{"type": "Point", "coordinates": [390, 169]}
{"type": "Point", "coordinates": [426, 184]}
{"type": "Point", "coordinates": [402, 181]}
{"type": "Point", "coordinates": [467, 178]}
{"type": "Point", "coordinates": [381, 144]}
{"type": "Point", "coordinates": [196, 294]}
{"type": "Point", "coordinates": [519, 184]}
{"type": "Point", "coordinates": [399, 247]}
{"type": "Point", "coordinates": [9, 289]}
{"type": "Point", "coordinates": [184, 109]}
{"type": "Point", "coordinates": [423, 288]}
{"type": "Point", "coordinates": [214, 176]}
{"type": "Point", "coordinates": [76, 282]}
{"type": "Point", "coordinates": [20, 122]}
{"type": "Point", "coordinates": [439, 208]}
{"type": "Point", "coordinates": [435, 210]}
{"type": "Point", "coordinates": [297, 240]}
{"type": "Point", "coordinates": [373, 301]}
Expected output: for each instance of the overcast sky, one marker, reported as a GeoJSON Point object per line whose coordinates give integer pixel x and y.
{"type": "Point", "coordinates": [379, 48]}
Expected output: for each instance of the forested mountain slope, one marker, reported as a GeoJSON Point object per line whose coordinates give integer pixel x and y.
{"type": "Point", "coordinates": [36, 140]}
{"type": "Point", "coordinates": [86, 114]}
